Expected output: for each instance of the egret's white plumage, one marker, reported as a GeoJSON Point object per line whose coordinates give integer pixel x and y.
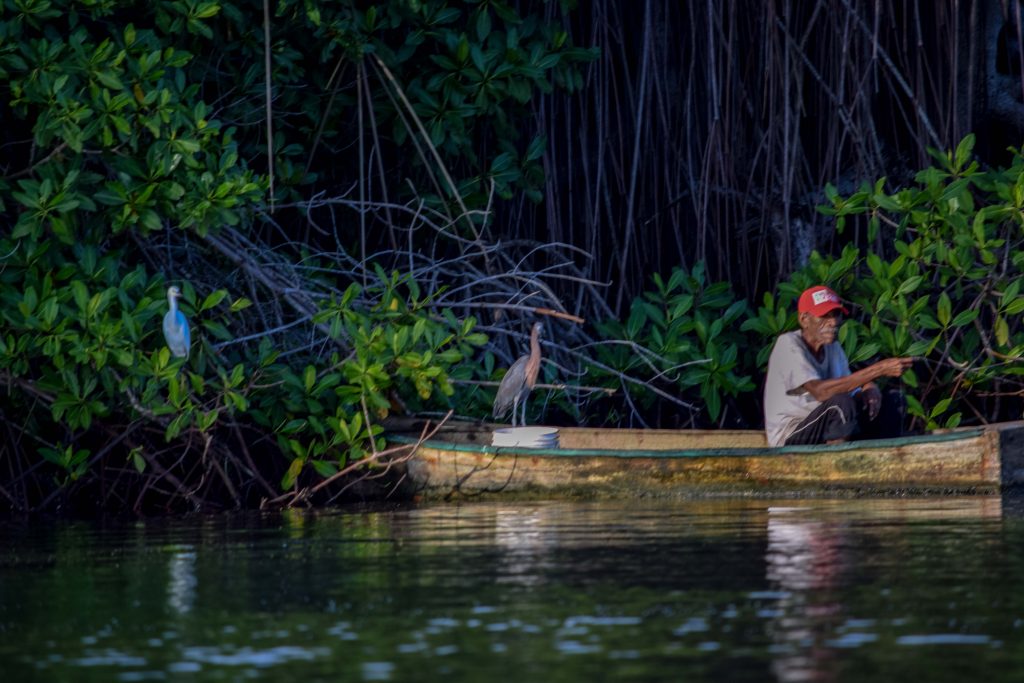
{"type": "Point", "coordinates": [176, 326]}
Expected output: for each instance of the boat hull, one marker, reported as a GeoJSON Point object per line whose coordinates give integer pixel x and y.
{"type": "Point", "coordinates": [631, 463]}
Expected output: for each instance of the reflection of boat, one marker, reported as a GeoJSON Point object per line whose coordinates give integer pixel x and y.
{"type": "Point", "coordinates": [459, 459]}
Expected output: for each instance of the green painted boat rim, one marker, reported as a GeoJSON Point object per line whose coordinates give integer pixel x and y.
{"type": "Point", "coordinates": [820, 449]}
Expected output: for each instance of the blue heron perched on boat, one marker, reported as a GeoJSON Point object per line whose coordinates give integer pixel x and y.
{"type": "Point", "coordinates": [176, 326]}
{"type": "Point", "coordinates": [519, 380]}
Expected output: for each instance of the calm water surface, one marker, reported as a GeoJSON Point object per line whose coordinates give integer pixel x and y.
{"type": "Point", "coordinates": [791, 590]}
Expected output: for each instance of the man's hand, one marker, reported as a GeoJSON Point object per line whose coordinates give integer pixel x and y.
{"type": "Point", "coordinates": [872, 398]}
{"type": "Point", "coordinates": [892, 367]}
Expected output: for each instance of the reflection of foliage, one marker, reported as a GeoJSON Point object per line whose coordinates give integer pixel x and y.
{"type": "Point", "coordinates": [357, 589]}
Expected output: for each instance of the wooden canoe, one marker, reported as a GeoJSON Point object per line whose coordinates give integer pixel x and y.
{"type": "Point", "coordinates": [459, 460]}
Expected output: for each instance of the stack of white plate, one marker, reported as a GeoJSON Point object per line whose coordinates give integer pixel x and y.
{"type": "Point", "coordinates": [526, 437]}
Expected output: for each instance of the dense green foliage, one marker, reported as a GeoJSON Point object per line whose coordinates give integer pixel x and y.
{"type": "Point", "coordinates": [684, 337]}
{"type": "Point", "coordinates": [466, 72]}
{"type": "Point", "coordinates": [132, 136]}
{"type": "Point", "coordinates": [938, 278]}
{"type": "Point", "coordinates": [951, 294]}
{"type": "Point", "coordinates": [136, 157]}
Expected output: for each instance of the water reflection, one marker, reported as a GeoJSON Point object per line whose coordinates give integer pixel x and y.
{"type": "Point", "coordinates": [738, 590]}
{"type": "Point", "coordinates": [803, 561]}
{"type": "Point", "coordinates": [811, 555]}
{"type": "Point", "coordinates": [181, 583]}
{"type": "Point", "coordinates": [803, 553]}
{"type": "Point", "coordinates": [521, 536]}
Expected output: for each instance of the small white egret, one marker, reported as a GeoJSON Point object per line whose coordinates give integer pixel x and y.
{"type": "Point", "coordinates": [176, 326]}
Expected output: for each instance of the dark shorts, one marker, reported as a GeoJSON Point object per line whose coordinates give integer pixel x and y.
{"type": "Point", "coordinates": [845, 417]}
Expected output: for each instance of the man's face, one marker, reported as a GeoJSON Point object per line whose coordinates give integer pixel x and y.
{"type": "Point", "coordinates": [821, 330]}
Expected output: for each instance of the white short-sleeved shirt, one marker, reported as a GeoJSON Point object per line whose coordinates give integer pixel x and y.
{"type": "Point", "coordinates": [790, 366]}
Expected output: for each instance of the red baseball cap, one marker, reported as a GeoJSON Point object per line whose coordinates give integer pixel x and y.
{"type": "Point", "coordinates": [818, 301]}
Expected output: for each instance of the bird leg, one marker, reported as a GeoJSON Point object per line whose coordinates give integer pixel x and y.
{"type": "Point", "coordinates": [515, 408]}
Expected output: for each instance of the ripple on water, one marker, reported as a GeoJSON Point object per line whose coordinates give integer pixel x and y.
{"type": "Point", "coordinates": [248, 656]}
{"type": "Point", "coordinates": [852, 640]}
{"type": "Point", "coordinates": [944, 639]}
{"type": "Point", "coordinates": [133, 676]}
{"type": "Point", "coordinates": [693, 625]}
{"type": "Point", "coordinates": [575, 647]}
{"type": "Point", "coordinates": [590, 620]}
{"type": "Point", "coordinates": [343, 631]}
{"type": "Point", "coordinates": [378, 671]}
{"type": "Point", "coordinates": [109, 657]}
{"type": "Point", "coordinates": [702, 576]}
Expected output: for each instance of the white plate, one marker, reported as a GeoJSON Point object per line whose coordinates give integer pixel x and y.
{"type": "Point", "coordinates": [526, 437]}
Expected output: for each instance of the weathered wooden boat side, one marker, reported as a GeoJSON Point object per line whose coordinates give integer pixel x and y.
{"type": "Point", "coordinates": [600, 462]}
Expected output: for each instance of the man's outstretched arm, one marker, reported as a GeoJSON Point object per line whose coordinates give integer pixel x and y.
{"type": "Point", "coordinates": [824, 389]}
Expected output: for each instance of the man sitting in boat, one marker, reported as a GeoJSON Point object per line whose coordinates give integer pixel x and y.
{"type": "Point", "coordinates": [810, 395]}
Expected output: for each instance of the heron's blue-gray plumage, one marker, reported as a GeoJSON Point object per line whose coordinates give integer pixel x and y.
{"type": "Point", "coordinates": [515, 386]}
